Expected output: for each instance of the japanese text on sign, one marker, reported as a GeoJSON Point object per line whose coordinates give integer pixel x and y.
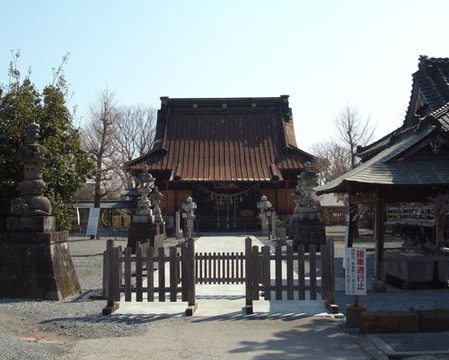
{"type": "Point", "coordinates": [355, 278]}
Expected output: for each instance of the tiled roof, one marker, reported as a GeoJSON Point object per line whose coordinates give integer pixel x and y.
{"type": "Point", "coordinates": [429, 97]}
{"type": "Point", "coordinates": [224, 139]}
{"type": "Point", "coordinates": [430, 89]}
{"type": "Point", "coordinates": [384, 169]}
{"type": "Point", "coordinates": [432, 79]}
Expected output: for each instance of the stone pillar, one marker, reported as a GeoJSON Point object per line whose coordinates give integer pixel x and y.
{"type": "Point", "coordinates": [35, 261]}
{"type": "Point", "coordinates": [178, 230]}
{"type": "Point", "coordinates": [263, 205]}
{"type": "Point", "coordinates": [157, 213]}
{"type": "Point", "coordinates": [273, 224]}
{"type": "Point", "coordinates": [189, 215]}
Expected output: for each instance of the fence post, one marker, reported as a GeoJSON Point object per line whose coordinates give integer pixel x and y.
{"type": "Point", "coordinates": [128, 275]}
{"type": "Point", "coordinates": [313, 282]}
{"type": "Point", "coordinates": [190, 266]}
{"type": "Point", "coordinates": [249, 276]}
{"type": "Point", "coordinates": [139, 275]}
{"type": "Point", "coordinates": [150, 273]}
{"type": "Point", "coordinates": [278, 271]}
{"type": "Point", "coordinates": [324, 272]}
{"type": "Point", "coordinates": [161, 273]}
{"type": "Point", "coordinates": [266, 272]}
{"type": "Point", "coordinates": [112, 285]}
{"type": "Point", "coordinates": [330, 277]}
{"type": "Point", "coordinates": [301, 273]}
{"type": "Point", "coordinates": [173, 274]}
{"type": "Point", "coordinates": [290, 292]}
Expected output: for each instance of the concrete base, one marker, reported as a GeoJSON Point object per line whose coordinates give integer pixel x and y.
{"type": "Point", "coordinates": [36, 265]}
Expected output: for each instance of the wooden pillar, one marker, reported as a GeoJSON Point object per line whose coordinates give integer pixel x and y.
{"type": "Point", "coordinates": [439, 222]}
{"type": "Point", "coordinates": [352, 221]}
{"type": "Point", "coordinates": [379, 234]}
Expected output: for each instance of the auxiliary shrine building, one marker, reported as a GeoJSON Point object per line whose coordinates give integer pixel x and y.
{"type": "Point", "coordinates": [225, 153]}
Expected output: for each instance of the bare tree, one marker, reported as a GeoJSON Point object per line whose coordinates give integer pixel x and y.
{"type": "Point", "coordinates": [353, 131]}
{"type": "Point", "coordinates": [338, 156]}
{"type": "Point", "coordinates": [134, 136]}
{"type": "Point", "coordinates": [98, 140]}
{"type": "Point", "coordinates": [332, 160]}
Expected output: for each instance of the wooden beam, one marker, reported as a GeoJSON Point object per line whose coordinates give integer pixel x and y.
{"type": "Point", "coordinates": [364, 198]}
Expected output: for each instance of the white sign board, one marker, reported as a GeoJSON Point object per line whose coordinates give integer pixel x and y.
{"type": "Point", "coordinates": [92, 224]}
{"type": "Point", "coordinates": [355, 274]}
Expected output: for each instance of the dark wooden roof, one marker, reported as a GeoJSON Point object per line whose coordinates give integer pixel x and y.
{"type": "Point", "coordinates": [224, 139]}
{"type": "Point", "coordinates": [411, 161]}
{"type": "Point", "coordinates": [429, 100]}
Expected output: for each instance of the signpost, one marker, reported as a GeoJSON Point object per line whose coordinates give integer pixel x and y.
{"type": "Point", "coordinates": [92, 224]}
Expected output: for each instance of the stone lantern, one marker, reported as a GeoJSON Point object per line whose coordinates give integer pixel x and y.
{"type": "Point", "coordinates": [146, 183]}
{"type": "Point", "coordinates": [307, 228]}
{"type": "Point", "coordinates": [263, 205]}
{"type": "Point", "coordinates": [141, 229]}
{"type": "Point", "coordinates": [35, 259]}
{"type": "Point", "coordinates": [189, 207]}
{"type": "Point", "coordinates": [304, 201]}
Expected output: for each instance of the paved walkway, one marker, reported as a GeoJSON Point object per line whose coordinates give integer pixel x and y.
{"type": "Point", "coordinates": [283, 329]}
{"type": "Point", "coordinates": [223, 299]}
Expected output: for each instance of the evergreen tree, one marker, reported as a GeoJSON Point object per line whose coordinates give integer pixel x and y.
{"type": "Point", "coordinates": [20, 104]}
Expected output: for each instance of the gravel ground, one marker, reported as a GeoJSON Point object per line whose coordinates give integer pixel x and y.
{"type": "Point", "coordinates": [77, 317]}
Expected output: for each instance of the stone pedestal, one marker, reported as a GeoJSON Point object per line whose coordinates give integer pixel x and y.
{"type": "Point", "coordinates": [140, 232]}
{"type": "Point", "coordinates": [23, 224]}
{"type": "Point", "coordinates": [308, 232]}
{"type": "Point", "coordinates": [353, 315]}
{"type": "Point", "coordinates": [36, 265]}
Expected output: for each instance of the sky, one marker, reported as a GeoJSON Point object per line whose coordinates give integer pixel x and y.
{"type": "Point", "coordinates": [325, 54]}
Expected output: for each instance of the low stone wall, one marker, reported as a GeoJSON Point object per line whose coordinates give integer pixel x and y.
{"type": "Point", "coordinates": [413, 321]}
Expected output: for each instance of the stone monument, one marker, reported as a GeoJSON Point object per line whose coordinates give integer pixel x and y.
{"type": "Point", "coordinates": [35, 260]}
{"type": "Point", "coordinates": [306, 226]}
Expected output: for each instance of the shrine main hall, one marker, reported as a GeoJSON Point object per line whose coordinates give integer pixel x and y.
{"type": "Point", "coordinates": [225, 153]}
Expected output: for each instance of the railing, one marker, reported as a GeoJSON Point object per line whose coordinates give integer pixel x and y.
{"type": "Point", "coordinates": [220, 268]}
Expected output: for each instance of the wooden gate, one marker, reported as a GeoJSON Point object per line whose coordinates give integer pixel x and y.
{"type": "Point", "coordinates": [288, 275]}
{"type": "Point", "coordinates": [283, 274]}
{"type": "Point", "coordinates": [125, 273]}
